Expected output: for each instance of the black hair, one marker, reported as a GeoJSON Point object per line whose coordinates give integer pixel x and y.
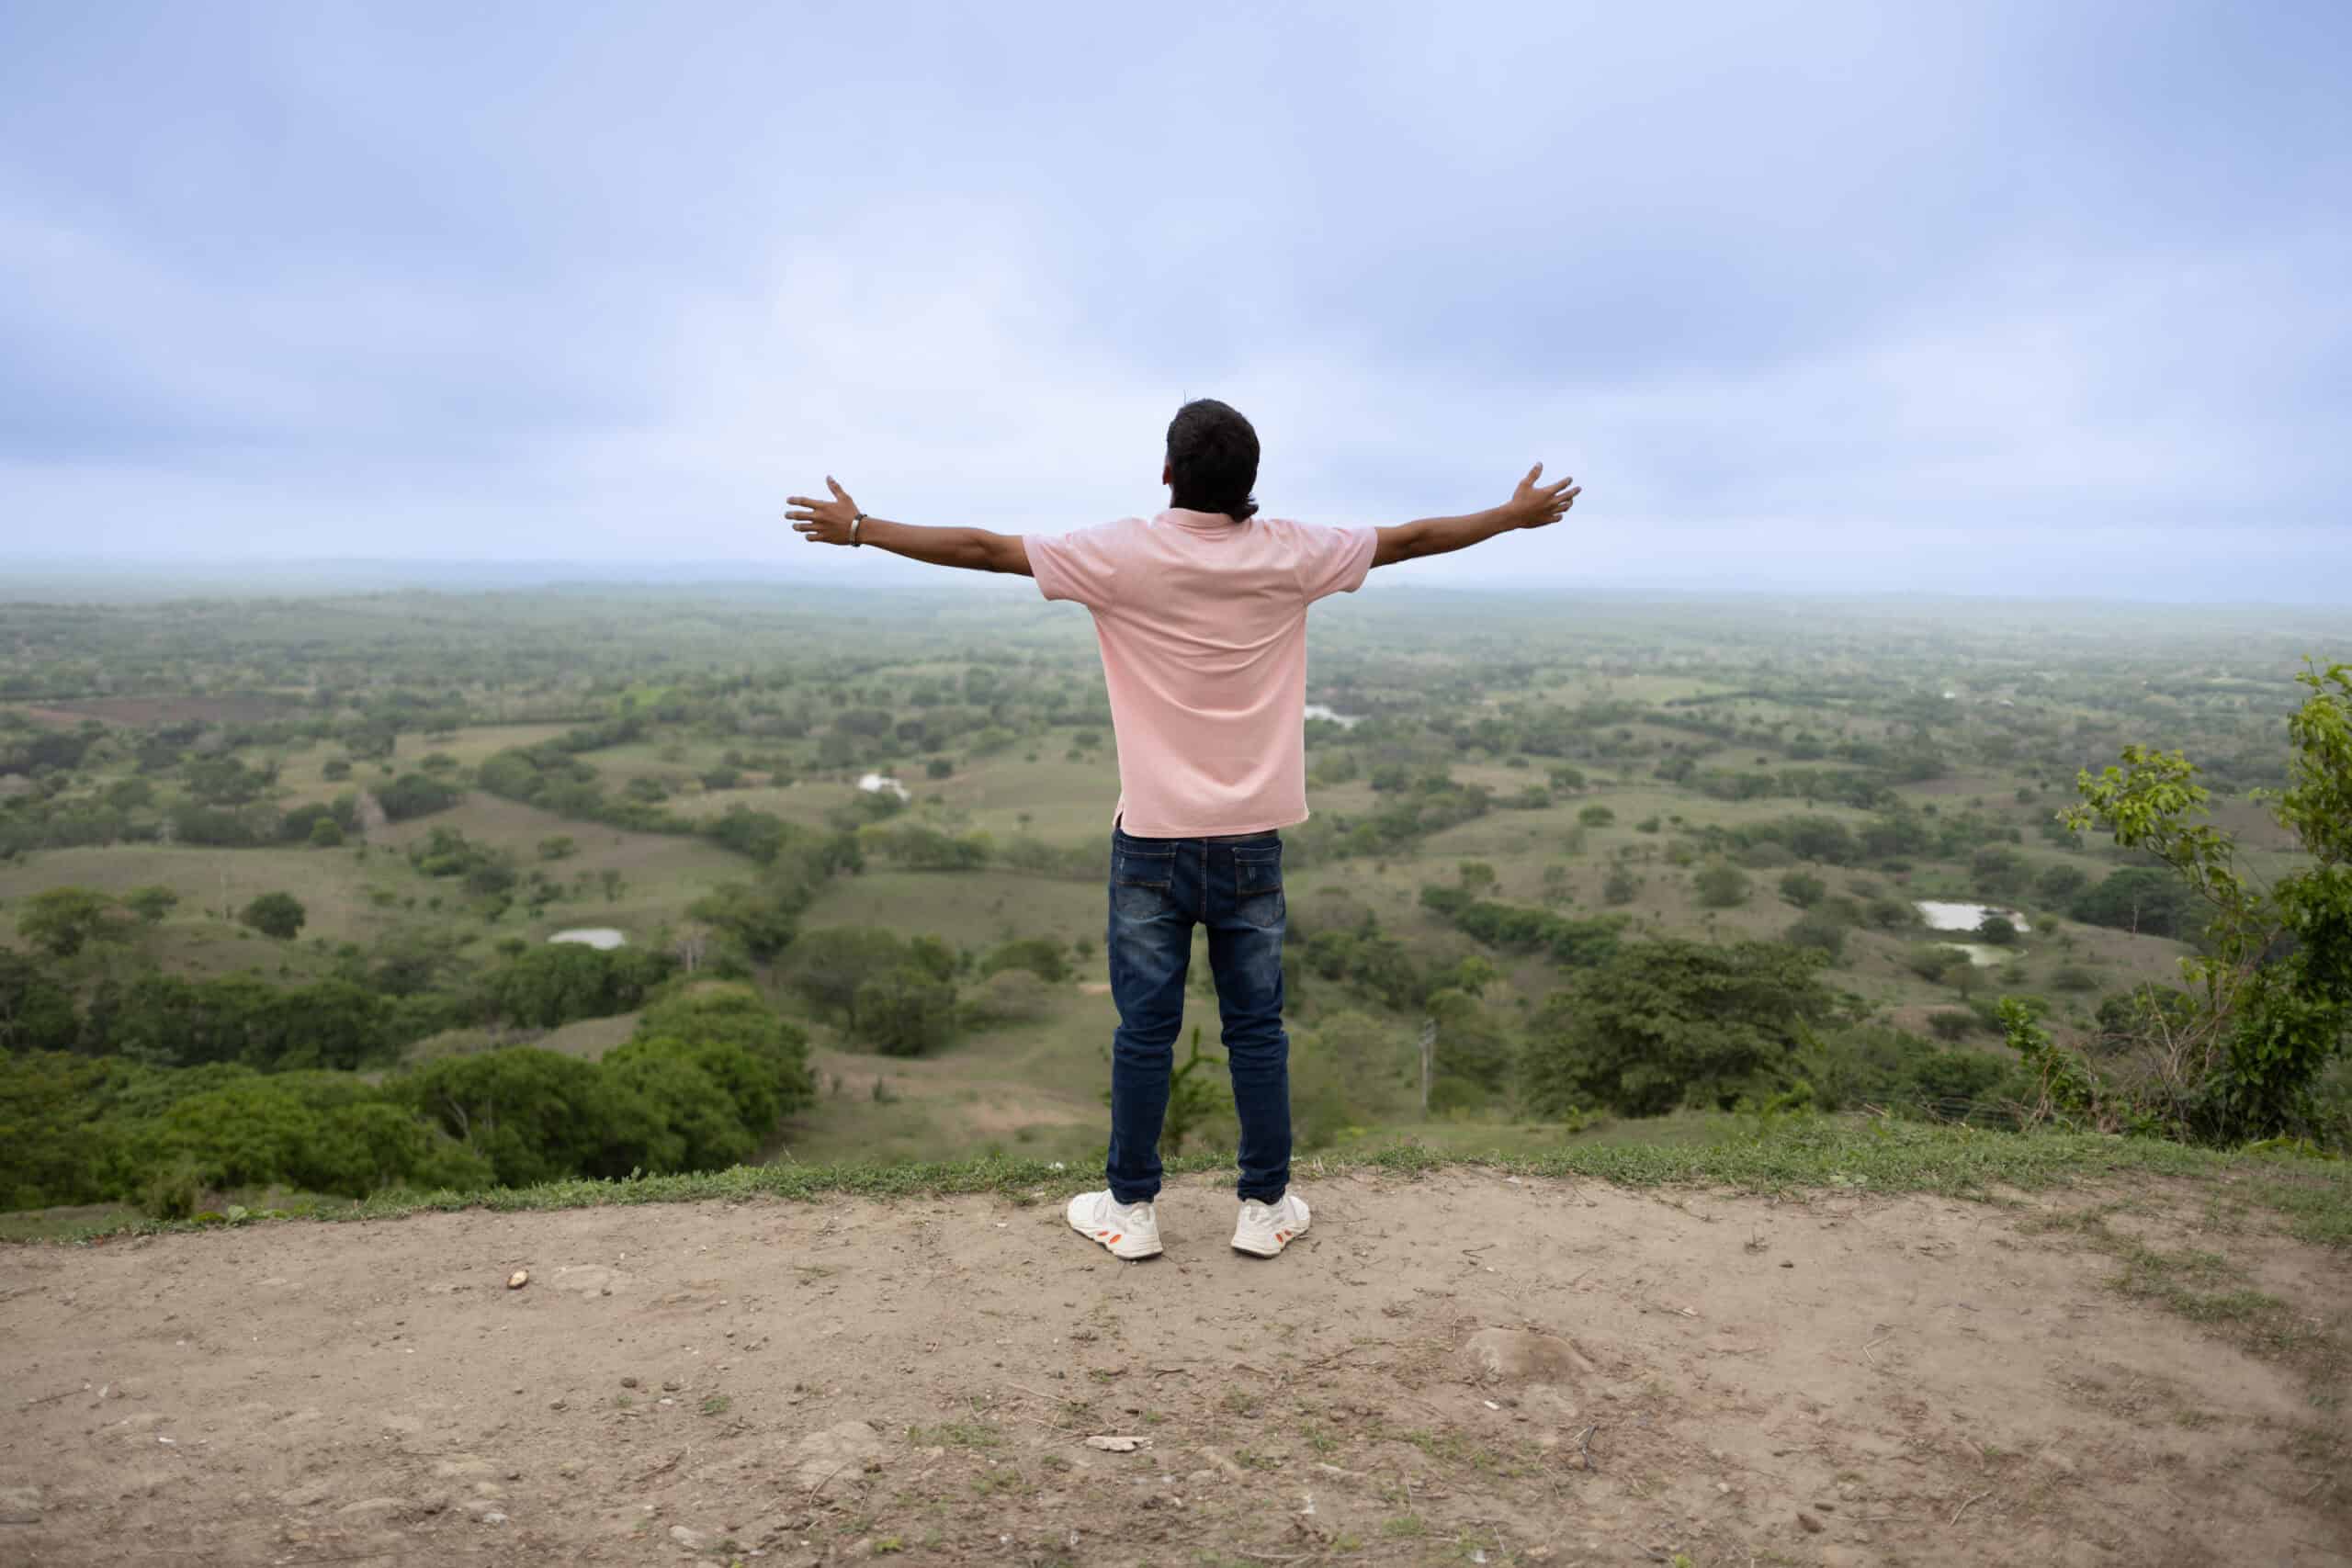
{"type": "Point", "coordinates": [1212, 460]}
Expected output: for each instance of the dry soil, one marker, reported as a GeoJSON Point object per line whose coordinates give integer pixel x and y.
{"type": "Point", "coordinates": [1459, 1369]}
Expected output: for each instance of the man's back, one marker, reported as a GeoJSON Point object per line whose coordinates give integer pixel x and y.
{"type": "Point", "coordinates": [1203, 623]}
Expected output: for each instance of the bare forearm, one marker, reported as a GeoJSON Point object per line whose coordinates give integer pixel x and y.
{"type": "Point", "coordinates": [973, 549]}
{"type": "Point", "coordinates": [1530, 506]}
{"type": "Point", "coordinates": [1441, 536]}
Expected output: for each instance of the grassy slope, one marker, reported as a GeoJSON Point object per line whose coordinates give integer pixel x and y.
{"type": "Point", "coordinates": [2312, 1197]}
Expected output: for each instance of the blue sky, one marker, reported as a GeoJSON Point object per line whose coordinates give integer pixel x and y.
{"type": "Point", "coordinates": [2043, 298]}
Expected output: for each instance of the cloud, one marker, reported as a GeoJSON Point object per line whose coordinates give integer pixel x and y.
{"type": "Point", "coordinates": [2005, 286]}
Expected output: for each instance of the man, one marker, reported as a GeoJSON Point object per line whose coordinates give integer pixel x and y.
{"type": "Point", "coordinates": [1201, 612]}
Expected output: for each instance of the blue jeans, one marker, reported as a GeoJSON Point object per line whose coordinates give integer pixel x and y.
{"type": "Point", "coordinates": [1160, 889]}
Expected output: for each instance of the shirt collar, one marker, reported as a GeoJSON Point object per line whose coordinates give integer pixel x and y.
{"type": "Point", "coordinates": [1185, 517]}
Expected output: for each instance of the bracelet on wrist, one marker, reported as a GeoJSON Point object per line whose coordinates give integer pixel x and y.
{"type": "Point", "coordinates": [854, 542]}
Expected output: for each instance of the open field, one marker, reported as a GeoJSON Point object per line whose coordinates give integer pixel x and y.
{"type": "Point", "coordinates": [1621, 760]}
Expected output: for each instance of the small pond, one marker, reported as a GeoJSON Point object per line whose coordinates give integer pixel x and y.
{"type": "Point", "coordinates": [592, 936]}
{"type": "Point", "coordinates": [1943, 916]}
{"type": "Point", "coordinates": [1323, 711]}
{"type": "Point", "coordinates": [877, 784]}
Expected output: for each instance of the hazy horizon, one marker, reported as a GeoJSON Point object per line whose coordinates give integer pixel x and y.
{"type": "Point", "coordinates": [93, 580]}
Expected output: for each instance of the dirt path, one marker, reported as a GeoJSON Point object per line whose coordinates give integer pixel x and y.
{"type": "Point", "coordinates": [1845, 1380]}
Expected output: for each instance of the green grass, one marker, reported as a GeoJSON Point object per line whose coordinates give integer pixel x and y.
{"type": "Point", "coordinates": [2315, 1196]}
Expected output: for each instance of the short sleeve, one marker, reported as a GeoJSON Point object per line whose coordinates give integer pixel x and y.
{"type": "Point", "coordinates": [1334, 560]}
{"type": "Point", "coordinates": [1082, 565]}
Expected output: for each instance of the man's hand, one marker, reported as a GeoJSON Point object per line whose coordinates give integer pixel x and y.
{"type": "Point", "coordinates": [975, 549]}
{"type": "Point", "coordinates": [1536, 506]}
{"type": "Point", "coordinates": [825, 522]}
{"type": "Point", "coordinates": [1532, 505]}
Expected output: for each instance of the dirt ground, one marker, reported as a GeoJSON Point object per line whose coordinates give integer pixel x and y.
{"type": "Point", "coordinates": [1462, 1368]}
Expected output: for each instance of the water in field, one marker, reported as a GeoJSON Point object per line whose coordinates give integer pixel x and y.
{"type": "Point", "coordinates": [1323, 710]}
{"type": "Point", "coordinates": [875, 784]}
{"type": "Point", "coordinates": [1943, 916]}
{"type": "Point", "coordinates": [592, 936]}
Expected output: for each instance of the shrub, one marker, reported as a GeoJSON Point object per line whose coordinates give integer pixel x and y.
{"type": "Point", "coordinates": [1672, 1022]}
{"type": "Point", "coordinates": [1009, 996]}
{"type": "Point", "coordinates": [1821, 935]}
{"type": "Point", "coordinates": [1951, 1024]}
{"type": "Point", "coordinates": [150, 904]}
{"type": "Point", "coordinates": [1933, 960]}
{"type": "Point", "coordinates": [1619, 887]}
{"type": "Point", "coordinates": [1802, 889]}
{"type": "Point", "coordinates": [2058, 886]}
{"type": "Point", "coordinates": [1595, 815]}
{"type": "Point", "coordinates": [1039, 955]}
{"type": "Point", "coordinates": [904, 1011]}
{"type": "Point", "coordinates": [279, 915]}
{"type": "Point", "coordinates": [1891, 914]}
{"type": "Point", "coordinates": [2074, 977]}
{"type": "Point", "coordinates": [1720, 885]}
{"type": "Point", "coordinates": [416, 794]}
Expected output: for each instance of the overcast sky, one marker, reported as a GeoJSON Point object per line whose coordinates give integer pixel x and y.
{"type": "Point", "coordinates": [2047, 297]}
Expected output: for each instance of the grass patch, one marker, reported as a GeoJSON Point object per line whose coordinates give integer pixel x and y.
{"type": "Point", "coordinates": [954, 1434]}
{"type": "Point", "coordinates": [2208, 1289]}
{"type": "Point", "coordinates": [1785, 1154]}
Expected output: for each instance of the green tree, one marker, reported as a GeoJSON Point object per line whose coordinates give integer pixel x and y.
{"type": "Point", "coordinates": [1820, 934]}
{"type": "Point", "coordinates": [534, 1115]}
{"type": "Point", "coordinates": [1673, 1022]}
{"type": "Point", "coordinates": [279, 915]}
{"type": "Point", "coordinates": [2144, 898]}
{"type": "Point", "coordinates": [2272, 992]}
{"type": "Point", "coordinates": [2057, 886]}
{"type": "Point", "coordinates": [904, 1012]}
{"type": "Point", "coordinates": [60, 920]}
{"type": "Point", "coordinates": [826, 966]}
{"type": "Point", "coordinates": [416, 794]}
{"type": "Point", "coordinates": [150, 904]}
{"type": "Point", "coordinates": [1720, 885]}
{"type": "Point", "coordinates": [326, 833]}
{"type": "Point", "coordinates": [36, 1012]}
{"type": "Point", "coordinates": [1040, 955]}
{"type": "Point", "coordinates": [1998, 930]}
{"type": "Point", "coordinates": [1620, 887]}
{"type": "Point", "coordinates": [1802, 889]}
{"type": "Point", "coordinates": [736, 1016]}
{"type": "Point", "coordinates": [1595, 815]}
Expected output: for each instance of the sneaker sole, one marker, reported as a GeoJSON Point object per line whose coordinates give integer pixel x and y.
{"type": "Point", "coordinates": [1129, 1248]}
{"type": "Point", "coordinates": [1269, 1247]}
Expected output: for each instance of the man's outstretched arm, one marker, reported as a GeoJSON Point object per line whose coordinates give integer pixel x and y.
{"type": "Point", "coordinates": [1530, 506]}
{"type": "Point", "coordinates": [839, 521]}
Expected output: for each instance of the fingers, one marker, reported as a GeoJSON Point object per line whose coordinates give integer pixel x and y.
{"type": "Point", "coordinates": [1564, 484]}
{"type": "Point", "coordinates": [835, 486]}
{"type": "Point", "coordinates": [1532, 475]}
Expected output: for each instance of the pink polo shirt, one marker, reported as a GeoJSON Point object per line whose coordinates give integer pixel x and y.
{"type": "Point", "coordinates": [1202, 623]}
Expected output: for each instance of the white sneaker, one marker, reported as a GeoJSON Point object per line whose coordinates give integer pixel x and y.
{"type": "Point", "coordinates": [1266, 1228]}
{"type": "Point", "coordinates": [1127, 1230]}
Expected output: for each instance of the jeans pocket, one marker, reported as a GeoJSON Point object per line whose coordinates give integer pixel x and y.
{"type": "Point", "coordinates": [1258, 885]}
{"type": "Point", "coordinates": [1141, 882]}
{"type": "Point", "coordinates": [1257, 871]}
